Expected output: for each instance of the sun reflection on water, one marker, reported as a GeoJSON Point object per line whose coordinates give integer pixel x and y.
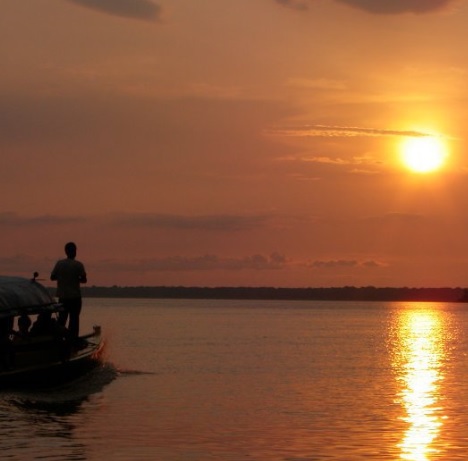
{"type": "Point", "coordinates": [418, 356]}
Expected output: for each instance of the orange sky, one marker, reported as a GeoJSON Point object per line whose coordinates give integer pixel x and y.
{"type": "Point", "coordinates": [247, 142]}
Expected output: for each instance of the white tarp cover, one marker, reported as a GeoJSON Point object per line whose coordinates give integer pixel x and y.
{"type": "Point", "coordinates": [19, 293]}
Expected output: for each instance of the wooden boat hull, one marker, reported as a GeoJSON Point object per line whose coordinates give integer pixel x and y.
{"type": "Point", "coordinates": [50, 364]}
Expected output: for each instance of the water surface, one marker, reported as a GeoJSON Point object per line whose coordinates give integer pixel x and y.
{"type": "Point", "coordinates": [256, 380]}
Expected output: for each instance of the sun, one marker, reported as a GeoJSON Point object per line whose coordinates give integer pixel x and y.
{"type": "Point", "coordinates": [423, 154]}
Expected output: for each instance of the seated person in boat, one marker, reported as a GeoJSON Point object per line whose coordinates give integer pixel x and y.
{"type": "Point", "coordinates": [6, 349]}
{"type": "Point", "coordinates": [24, 323]}
{"type": "Point", "coordinates": [45, 325]}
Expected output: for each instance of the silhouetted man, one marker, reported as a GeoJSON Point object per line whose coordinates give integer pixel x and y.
{"type": "Point", "coordinates": [69, 273]}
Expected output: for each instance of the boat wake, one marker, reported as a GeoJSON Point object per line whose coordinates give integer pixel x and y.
{"type": "Point", "coordinates": [129, 372]}
{"type": "Point", "coordinates": [65, 396]}
{"type": "Point", "coordinates": [65, 399]}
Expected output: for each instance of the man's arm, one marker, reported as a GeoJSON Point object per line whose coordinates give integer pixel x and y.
{"type": "Point", "coordinates": [53, 275]}
{"type": "Point", "coordinates": [82, 278]}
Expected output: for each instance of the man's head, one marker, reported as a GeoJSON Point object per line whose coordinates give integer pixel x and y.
{"type": "Point", "coordinates": [70, 250]}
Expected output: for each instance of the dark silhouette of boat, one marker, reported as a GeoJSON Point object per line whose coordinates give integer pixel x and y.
{"type": "Point", "coordinates": [35, 351]}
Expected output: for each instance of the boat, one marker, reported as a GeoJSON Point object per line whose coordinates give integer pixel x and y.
{"type": "Point", "coordinates": [35, 351]}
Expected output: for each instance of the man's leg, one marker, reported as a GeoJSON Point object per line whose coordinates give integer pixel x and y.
{"type": "Point", "coordinates": [63, 315]}
{"type": "Point", "coordinates": [74, 324]}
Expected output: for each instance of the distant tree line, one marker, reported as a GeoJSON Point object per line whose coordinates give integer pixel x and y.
{"type": "Point", "coordinates": [346, 293]}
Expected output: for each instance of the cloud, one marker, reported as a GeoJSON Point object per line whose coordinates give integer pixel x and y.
{"type": "Point", "coordinates": [203, 222]}
{"type": "Point", "coordinates": [12, 219]}
{"type": "Point", "coordinates": [381, 6]}
{"type": "Point", "coordinates": [138, 221]}
{"type": "Point", "coordinates": [358, 162]}
{"type": "Point", "coordinates": [399, 6]}
{"type": "Point", "coordinates": [316, 84]}
{"type": "Point", "coordinates": [335, 263]}
{"type": "Point", "coordinates": [207, 262]}
{"type": "Point", "coordinates": [346, 263]}
{"type": "Point", "coordinates": [333, 131]}
{"type": "Point", "coordinates": [205, 90]}
{"type": "Point", "coordinates": [371, 264]}
{"type": "Point", "coordinates": [296, 4]}
{"type": "Point", "coordinates": [24, 265]}
{"type": "Point", "coordinates": [328, 160]}
{"type": "Point", "coordinates": [405, 218]}
{"type": "Point", "coordinates": [145, 10]}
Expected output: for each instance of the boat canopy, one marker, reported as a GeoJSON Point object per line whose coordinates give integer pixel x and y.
{"type": "Point", "coordinates": [20, 295]}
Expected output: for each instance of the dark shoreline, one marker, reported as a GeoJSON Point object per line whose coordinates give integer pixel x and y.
{"type": "Point", "coordinates": [347, 293]}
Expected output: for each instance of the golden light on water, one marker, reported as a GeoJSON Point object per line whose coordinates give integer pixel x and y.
{"type": "Point", "coordinates": [418, 362]}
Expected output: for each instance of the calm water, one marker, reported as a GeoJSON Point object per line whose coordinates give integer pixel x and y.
{"type": "Point", "coordinates": [256, 380]}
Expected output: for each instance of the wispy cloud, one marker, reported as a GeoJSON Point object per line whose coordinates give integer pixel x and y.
{"type": "Point", "coordinates": [25, 265]}
{"type": "Point", "coordinates": [333, 131]}
{"type": "Point", "coordinates": [168, 222]}
{"type": "Point", "coordinates": [180, 222]}
{"type": "Point", "coordinates": [13, 219]}
{"type": "Point", "coordinates": [382, 6]}
{"type": "Point", "coordinates": [346, 263]}
{"type": "Point", "coordinates": [399, 218]}
{"type": "Point", "coordinates": [207, 262]}
{"type": "Point", "coordinates": [400, 6]}
{"type": "Point", "coordinates": [205, 90]}
{"type": "Point", "coordinates": [145, 10]}
{"type": "Point", "coordinates": [296, 4]}
{"type": "Point", "coordinates": [361, 164]}
{"type": "Point", "coordinates": [316, 84]}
